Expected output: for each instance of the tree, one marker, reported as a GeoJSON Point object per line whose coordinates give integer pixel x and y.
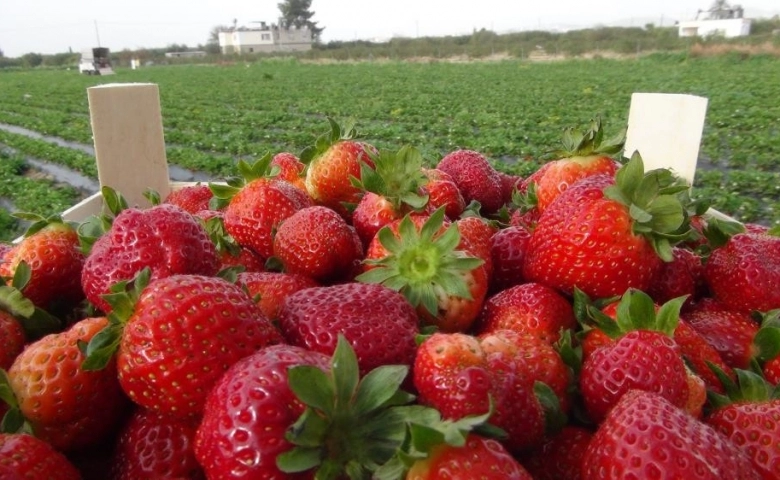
{"type": "Point", "coordinates": [297, 13]}
{"type": "Point", "coordinates": [1, 53]}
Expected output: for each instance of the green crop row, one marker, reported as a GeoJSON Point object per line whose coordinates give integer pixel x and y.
{"type": "Point", "coordinates": [512, 111]}
{"type": "Point", "coordinates": [36, 195]}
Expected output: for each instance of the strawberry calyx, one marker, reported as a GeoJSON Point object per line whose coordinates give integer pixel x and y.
{"type": "Point", "coordinates": [247, 172]}
{"type": "Point", "coordinates": [635, 311]}
{"type": "Point", "coordinates": [123, 298]}
{"type": "Point", "coordinates": [13, 421]}
{"type": "Point", "coordinates": [749, 386]}
{"type": "Point", "coordinates": [766, 341]}
{"type": "Point", "coordinates": [96, 225]}
{"type": "Point", "coordinates": [422, 264]}
{"type": "Point", "coordinates": [336, 134]}
{"type": "Point", "coordinates": [38, 222]}
{"type": "Point", "coordinates": [365, 427]}
{"type": "Point", "coordinates": [590, 142]}
{"type": "Point", "coordinates": [396, 176]}
{"type": "Point", "coordinates": [35, 321]}
{"type": "Point", "coordinates": [655, 202]}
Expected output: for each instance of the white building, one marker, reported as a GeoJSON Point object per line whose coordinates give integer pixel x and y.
{"type": "Point", "coordinates": [265, 39]}
{"type": "Point", "coordinates": [731, 27]}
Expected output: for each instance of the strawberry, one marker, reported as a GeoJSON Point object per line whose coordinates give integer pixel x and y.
{"type": "Point", "coordinates": [748, 415]}
{"type": "Point", "coordinates": [378, 322]}
{"type": "Point", "coordinates": [432, 267]}
{"type": "Point", "coordinates": [645, 436]}
{"type": "Point", "coordinates": [475, 177]}
{"type": "Point", "coordinates": [65, 405]}
{"type": "Point", "coordinates": [560, 457]}
{"type": "Point", "coordinates": [682, 276]}
{"type": "Point", "coordinates": [509, 184]}
{"type": "Point", "coordinates": [230, 253]}
{"type": "Point", "coordinates": [291, 169]}
{"type": "Point", "coordinates": [507, 252]}
{"type": "Point", "coordinates": [208, 321]}
{"type": "Point", "coordinates": [320, 418]}
{"type": "Point", "coordinates": [164, 238]}
{"type": "Point", "coordinates": [730, 332]}
{"type": "Point", "coordinates": [12, 339]}
{"type": "Point", "coordinates": [273, 288]}
{"type": "Point", "coordinates": [642, 356]}
{"type": "Point", "coordinates": [744, 273]}
{"type": "Point", "coordinates": [155, 446]}
{"type": "Point", "coordinates": [191, 198]}
{"type": "Point", "coordinates": [390, 191]}
{"type": "Point", "coordinates": [229, 442]}
{"type": "Point", "coordinates": [583, 155]}
{"type": "Point", "coordinates": [529, 308]}
{"type": "Point", "coordinates": [480, 457]}
{"type": "Point", "coordinates": [316, 242]}
{"type": "Point", "coordinates": [589, 239]}
{"type": "Point", "coordinates": [50, 248]}
{"type": "Point", "coordinates": [442, 192]}
{"type": "Point", "coordinates": [257, 204]}
{"type": "Point", "coordinates": [461, 375]}
{"type": "Point", "coordinates": [333, 161]}
{"type": "Point", "coordinates": [23, 456]}
{"type": "Point", "coordinates": [478, 232]}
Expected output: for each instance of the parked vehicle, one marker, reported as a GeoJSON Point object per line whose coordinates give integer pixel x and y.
{"type": "Point", "coordinates": [95, 61]}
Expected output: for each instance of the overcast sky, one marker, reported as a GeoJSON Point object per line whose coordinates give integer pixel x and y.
{"type": "Point", "coordinates": [54, 26]}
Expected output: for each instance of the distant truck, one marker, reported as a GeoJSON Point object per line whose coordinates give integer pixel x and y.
{"type": "Point", "coordinates": [95, 61]}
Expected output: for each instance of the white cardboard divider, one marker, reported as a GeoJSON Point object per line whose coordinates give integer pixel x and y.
{"type": "Point", "coordinates": [666, 130]}
{"type": "Point", "coordinates": [129, 144]}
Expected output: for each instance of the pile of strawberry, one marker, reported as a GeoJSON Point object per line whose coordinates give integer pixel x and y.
{"type": "Point", "coordinates": [350, 313]}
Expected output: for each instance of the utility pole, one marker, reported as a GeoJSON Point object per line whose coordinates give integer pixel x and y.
{"type": "Point", "coordinates": [97, 34]}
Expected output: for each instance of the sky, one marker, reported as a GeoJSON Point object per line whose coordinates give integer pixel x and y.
{"type": "Point", "coordinates": [57, 26]}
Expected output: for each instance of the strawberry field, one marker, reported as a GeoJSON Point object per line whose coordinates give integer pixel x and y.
{"type": "Point", "coordinates": [433, 294]}
{"type": "Point", "coordinates": [513, 112]}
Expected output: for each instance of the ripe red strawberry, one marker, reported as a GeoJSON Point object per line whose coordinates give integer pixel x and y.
{"type": "Point", "coordinates": [23, 456]}
{"type": "Point", "coordinates": [164, 238]}
{"type": "Point", "coordinates": [273, 288]}
{"type": "Point", "coordinates": [642, 355]}
{"type": "Point", "coordinates": [583, 155]}
{"type": "Point", "coordinates": [744, 273]}
{"type": "Point", "coordinates": [442, 192]}
{"type": "Point", "coordinates": [475, 177]}
{"type": "Point", "coordinates": [588, 238]}
{"type": "Point", "coordinates": [529, 308]}
{"type": "Point", "coordinates": [12, 339]}
{"type": "Point", "coordinates": [509, 184]}
{"type": "Point", "coordinates": [291, 169]}
{"type": "Point", "coordinates": [460, 375]}
{"type": "Point", "coordinates": [478, 232]}
{"type": "Point", "coordinates": [156, 446]}
{"type": "Point", "coordinates": [50, 248]}
{"type": "Point", "coordinates": [257, 204]}
{"type": "Point", "coordinates": [748, 414]}
{"type": "Point", "coordinates": [229, 442]}
{"type": "Point", "coordinates": [729, 332]}
{"type": "Point", "coordinates": [65, 405]}
{"type": "Point", "coordinates": [432, 266]}
{"type": "Point", "coordinates": [378, 322]}
{"type": "Point", "coordinates": [645, 436]}
{"type": "Point", "coordinates": [208, 321]}
{"type": "Point", "coordinates": [681, 276]}
{"type": "Point", "coordinates": [191, 198]}
{"type": "Point", "coordinates": [507, 252]}
{"type": "Point", "coordinates": [480, 457]}
{"type": "Point", "coordinates": [560, 457]}
{"type": "Point", "coordinates": [230, 253]}
{"type": "Point", "coordinates": [390, 191]}
{"type": "Point", "coordinates": [333, 161]}
{"type": "Point", "coordinates": [316, 242]}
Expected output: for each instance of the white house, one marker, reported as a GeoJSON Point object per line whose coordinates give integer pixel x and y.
{"type": "Point", "coordinates": [731, 27]}
{"type": "Point", "coordinates": [265, 39]}
{"type": "Point", "coordinates": [723, 20]}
